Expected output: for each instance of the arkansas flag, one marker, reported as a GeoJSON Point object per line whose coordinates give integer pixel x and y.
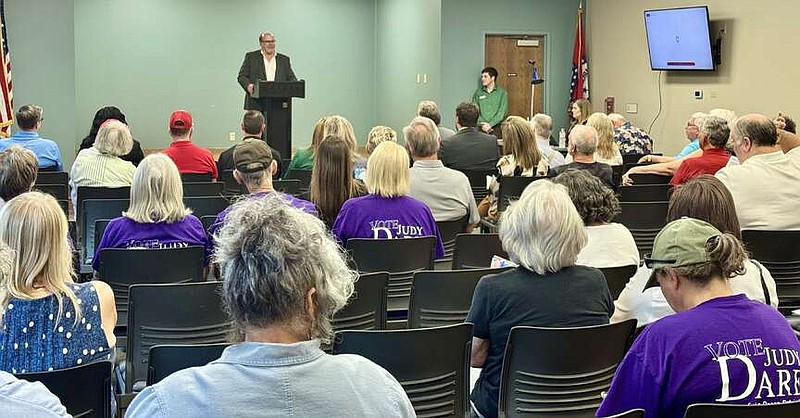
{"type": "Point", "coordinates": [579, 86]}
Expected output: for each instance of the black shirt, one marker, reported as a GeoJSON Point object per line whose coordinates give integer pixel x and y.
{"type": "Point", "coordinates": [602, 171]}
{"type": "Point", "coordinates": [225, 161]}
{"type": "Point", "coordinates": [573, 297]}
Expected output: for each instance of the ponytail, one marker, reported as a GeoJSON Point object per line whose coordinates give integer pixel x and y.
{"type": "Point", "coordinates": [728, 254]}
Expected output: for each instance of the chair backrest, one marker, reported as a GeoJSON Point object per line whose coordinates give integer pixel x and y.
{"type": "Point", "coordinates": [448, 231]}
{"type": "Point", "coordinates": [478, 183]}
{"type": "Point", "coordinates": [208, 188]}
{"type": "Point", "coordinates": [400, 257]}
{"type": "Point", "coordinates": [99, 229]}
{"type": "Point", "coordinates": [86, 193]}
{"type": "Point", "coordinates": [644, 220]}
{"type": "Point", "coordinates": [779, 252]}
{"type": "Point", "coordinates": [644, 193]}
{"type": "Point", "coordinates": [366, 309]}
{"type": "Point", "coordinates": [511, 188]}
{"type": "Point", "coordinates": [632, 158]}
{"type": "Point", "coordinates": [633, 413]}
{"type": "Point", "coordinates": [547, 373]}
{"type": "Point", "coordinates": [205, 205]}
{"type": "Point", "coordinates": [232, 188]}
{"type": "Point", "coordinates": [303, 175]}
{"type": "Point", "coordinates": [649, 178]}
{"type": "Point", "coordinates": [84, 390]}
{"type": "Point", "coordinates": [207, 221]}
{"type": "Point", "coordinates": [443, 297]}
{"type": "Point", "coordinates": [94, 209]}
{"type": "Point", "coordinates": [59, 191]}
{"type": "Point", "coordinates": [618, 277]}
{"type": "Point", "coordinates": [52, 177]}
{"type": "Point", "coordinates": [197, 177]}
{"type": "Point", "coordinates": [188, 313]}
{"type": "Point", "coordinates": [616, 175]}
{"type": "Point", "coordinates": [472, 251]}
{"type": "Point", "coordinates": [432, 364]}
{"type": "Point", "coordinates": [288, 186]}
{"type": "Point", "coordinates": [121, 268]}
{"type": "Point", "coordinates": [165, 359]}
{"type": "Point", "coordinates": [713, 410]}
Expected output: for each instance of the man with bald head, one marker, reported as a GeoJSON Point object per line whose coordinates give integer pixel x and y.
{"type": "Point", "coordinates": [582, 145]}
{"type": "Point", "coordinates": [766, 185]}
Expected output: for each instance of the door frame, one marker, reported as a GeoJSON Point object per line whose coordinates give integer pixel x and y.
{"type": "Point", "coordinates": [546, 53]}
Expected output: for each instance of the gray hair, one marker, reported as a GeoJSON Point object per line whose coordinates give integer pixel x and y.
{"type": "Point", "coordinates": [271, 255]}
{"type": "Point", "coordinates": [616, 118]}
{"type": "Point", "coordinates": [584, 138]}
{"type": "Point", "coordinates": [429, 109]}
{"type": "Point", "coordinates": [156, 192]}
{"type": "Point", "coordinates": [114, 138]}
{"type": "Point", "coordinates": [727, 114]}
{"type": "Point", "coordinates": [542, 125]}
{"type": "Point", "coordinates": [717, 130]}
{"type": "Point", "coordinates": [594, 201]}
{"type": "Point", "coordinates": [543, 231]}
{"type": "Point", "coordinates": [758, 128]}
{"type": "Point", "coordinates": [422, 137]}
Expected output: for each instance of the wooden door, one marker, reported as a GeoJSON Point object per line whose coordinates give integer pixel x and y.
{"type": "Point", "coordinates": [511, 55]}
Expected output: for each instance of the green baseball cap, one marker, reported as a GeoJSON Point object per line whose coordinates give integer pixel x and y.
{"type": "Point", "coordinates": [680, 243]}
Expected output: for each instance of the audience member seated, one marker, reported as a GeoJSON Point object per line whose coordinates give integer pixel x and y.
{"type": "Point", "coordinates": [18, 169]}
{"type": "Point", "coordinates": [20, 398]}
{"type": "Point", "coordinates": [377, 135]}
{"type": "Point", "coordinates": [189, 158]}
{"type": "Point", "coordinates": [522, 159]}
{"type": "Point", "coordinates": [103, 114]}
{"type": "Point", "coordinates": [719, 348]}
{"type": "Point", "coordinates": [49, 321]}
{"type": "Point", "coordinates": [332, 181]}
{"type": "Point", "coordinates": [303, 158]}
{"type": "Point", "coordinates": [766, 184]}
{"type": "Point", "coordinates": [629, 138]}
{"type": "Point", "coordinates": [469, 149]}
{"type": "Point", "coordinates": [254, 168]}
{"type": "Point", "coordinates": [284, 278]}
{"type": "Point", "coordinates": [610, 244]}
{"type": "Point", "coordinates": [788, 139]}
{"type": "Point", "coordinates": [253, 127]}
{"type": "Point", "coordinates": [582, 147]}
{"type": "Point", "coordinates": [579, 112]}
{"type": "Point", "coordinates": [714, 133]}
{"type": "Point", "coordinates": [704, 198]}
{"type": "Point", "coordinates": [339, 126]}
{"type": "Point", "coordinates": [387, 212]}
{"type": "Point", "coordinates": [29, 120]}
{"type": "Point", "coordinates": [543, 128]}
{"type": "Point", "coordinates": [445, 191]}
{"type": "Point", "coordinates": [543, 233]}
{"type": "Point", "coordinates": [607, 150]}
{"type": "Point", "coordinates": [429, 109]}
{"type": "Point", "coordinates": [101, 165]}
{"type": "Point", "coordinates": [156, 217]}
{"type": "Point", "coordinates": [692, 132]}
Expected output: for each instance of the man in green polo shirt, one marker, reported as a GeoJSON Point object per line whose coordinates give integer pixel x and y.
{"type": "Point", "coordinates": [492, 101]}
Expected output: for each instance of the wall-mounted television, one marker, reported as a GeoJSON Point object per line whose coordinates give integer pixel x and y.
{"type": "Point", "coordinates": [679, 38]}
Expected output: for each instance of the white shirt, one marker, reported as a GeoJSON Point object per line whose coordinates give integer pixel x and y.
{"type": "Point", "coordinates": [794, 154]}
{"type": "Point", "coordinates": [610, 245]}
{"type": "Point", "coordinates": [766, 190]}
{"type": "Point", "coordinates": [93, 169]}
{"type": "Point", "coordinates": [554, 157]}
{"type": "Point", "coordinates": [269, 67]}
{"type": "Point", "coordinates": [650, 305]}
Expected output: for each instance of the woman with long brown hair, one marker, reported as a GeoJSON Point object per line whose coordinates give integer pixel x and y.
{"type": "Point", "coordinates": [332, 181]}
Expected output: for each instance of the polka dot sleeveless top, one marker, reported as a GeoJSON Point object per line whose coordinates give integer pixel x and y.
{"type": "Point", "coordinates": [32, 341]}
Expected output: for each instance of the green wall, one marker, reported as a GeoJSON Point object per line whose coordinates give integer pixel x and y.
{"type": "Point", "coordinates": [464, 24]}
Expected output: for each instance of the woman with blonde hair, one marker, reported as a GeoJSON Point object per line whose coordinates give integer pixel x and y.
{"type": "Point", "coordinates": [332, 182]}
{"type": "Point", "coordinates": [303, 158]}
{"type": "Point", "coordinates": [49, 321]}
{"type": "Point", "coordinates": [377, 135]}
{"type": "Point", "coordinates": [387, 211]}
{"type": "Point", "coordinates": [156, 217]}
{"type": "Point", "coordinates": [521, 158]}
{"type": "Point", "coordinates": [341, 127]}
{"type": "Point", "coordinates": [607, 149]}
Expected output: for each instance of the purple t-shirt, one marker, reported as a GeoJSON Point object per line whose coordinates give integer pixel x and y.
{"type": "Point", "coordinates": [124, 232]}
{"type": "Point", "coordinates": [301, 204]}
{"type": "Point", "coordinates": [376, 217]}
{"type": "Point", "coordinates": [726, 350]}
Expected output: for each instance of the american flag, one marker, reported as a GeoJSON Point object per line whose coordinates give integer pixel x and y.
{"type": "Point", "coordinates": [579, 86]}
{"type": "Point", "coordinates": [7, 106]}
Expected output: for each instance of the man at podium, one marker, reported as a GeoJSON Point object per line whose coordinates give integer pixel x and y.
{"type": "Point", "coordinates": [263, 64]}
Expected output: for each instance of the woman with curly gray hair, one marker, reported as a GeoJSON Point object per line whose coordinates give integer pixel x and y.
{"type": "Point", "coordinates": [284, 278]}
{"type": "Point", "coordinates": [610, 244]}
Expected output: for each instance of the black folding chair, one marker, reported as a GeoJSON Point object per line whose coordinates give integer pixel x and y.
{"type": "Point", "coordinates": [84, 390]}
{"type": "Point", "coordinates": [511, 188]}
{"type": "Point", "coordinates": [644, 193]}
{"type": "Point", "coordinates": [188, 313]}
{"type": "Point", "coordinates": [292, 187]}
{"type": "Point", "coordinates": [448, 231]}
{"type": "Point", "coordinates": [472, 251]}
{"type": "Point", "coordinates": [166, 359]}
{"type": "Point", "coordinates": [633, 413]}
{"type": "Point", "coordinates": [207, 221]}
{"type": "Point", "coordinates": [197, 177]}
{"type": "Point", "coordinates": [59, 191]}
{"type": "Point", "coordinates": [366, 309]}
{"type": "Point", "coordinates": [650, 178]}
{"type": "Point", "coordinates": [644, 220]}
{"type": "Point", "coordinates": [632, 158]}
{"type": "Point", "coordinates": [618, 277]}
{"type": "Point", "coordinates": [616, 176]}
{"type": "Point", "coordinates": [52, 177]}
{"type": "Point", "coordinates": [99, 229]}
{"type": "Point", "coordinates": [94, 209]}
{"type": "Point", "coordinates": [546, 372]}
{"type": "Point", "coordinates": [231, 187]}
{"type": "Point", "coordinates": [96, 193]}
{"type": "Point", "coordinates": [432, 364]}
{"type": "Point", "coordinates": [714, 410]}
{"type": "Point", "coordinates": [303, 175]}
{"type": "Point", "coordinates": [205, 205]}
{"type": "Point", "coordinates": [443, 297]}
{"type": "Point", "coordinates": [478, 183]}
{"type": "Point", "coordinates": [210, 188]}
{"type": "Point", "coordinates": [779, 252]}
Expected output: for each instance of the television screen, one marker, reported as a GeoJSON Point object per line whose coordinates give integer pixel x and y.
{"type": "Point", "coordinates": [678, 39]}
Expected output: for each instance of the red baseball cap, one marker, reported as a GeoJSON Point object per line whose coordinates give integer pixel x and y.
{"type": "Point", "coordinates": [180, 119]}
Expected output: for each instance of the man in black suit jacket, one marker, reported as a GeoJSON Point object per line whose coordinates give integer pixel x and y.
{"type": "Point", "coordinates": [469, 149]}
{"type": "Point", "coordinates": [253, 127]}
{"type": "Point", "coordinates": [263, 64]}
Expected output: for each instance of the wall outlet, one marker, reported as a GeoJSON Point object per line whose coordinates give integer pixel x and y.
{"type": "Point", "coordinates": [231, 136]}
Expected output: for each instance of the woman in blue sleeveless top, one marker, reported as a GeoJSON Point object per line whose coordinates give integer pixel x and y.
{"type": "Point", "coordinates": [48, 321]}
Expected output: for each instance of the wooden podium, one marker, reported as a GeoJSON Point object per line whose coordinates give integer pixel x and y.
{"type": "Point", "coordinates": [276, 98]}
